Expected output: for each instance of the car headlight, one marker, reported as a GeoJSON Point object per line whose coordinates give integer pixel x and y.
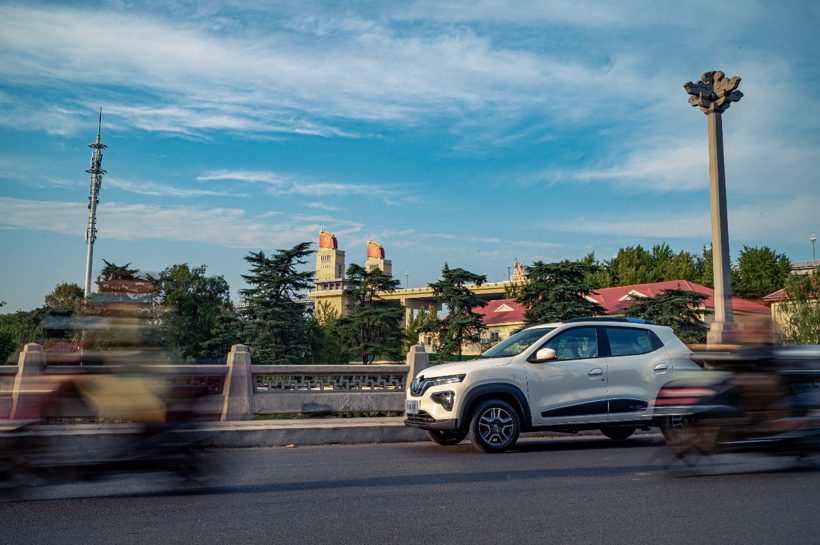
{"type": "Point", "coordinates": [421, 384]}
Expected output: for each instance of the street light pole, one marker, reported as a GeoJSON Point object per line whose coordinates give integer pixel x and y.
{"type": "Point", "coordinates": [813, 239]}
{"type": "Point", "coordinates": [508, 272]}
{"type": "Point", "coordinates": [407, 279]}
{"type": "Point", "coordinates": [714, 94]}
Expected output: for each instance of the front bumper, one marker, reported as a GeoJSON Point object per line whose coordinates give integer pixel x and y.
{"type": "Point", "coordinates": [426, 422]}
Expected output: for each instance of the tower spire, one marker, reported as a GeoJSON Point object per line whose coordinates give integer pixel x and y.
{"type": "Point", "coordinates": [93, 200]}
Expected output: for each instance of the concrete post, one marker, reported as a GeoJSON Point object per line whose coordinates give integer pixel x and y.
{"type": "Point", "coordinates": [418, 360]}
{"type": "Point", "coordinates": [238, 389]}
{"type": "Point", "coordinates": [25, 399]}
{"type": "Point", "coordinates": [714, 94]}
{"type": "Point", "coordinates": [720, 230]}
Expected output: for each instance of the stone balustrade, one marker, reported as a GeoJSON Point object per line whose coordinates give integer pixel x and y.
{"type": "Point", "coordinates": [236, 390]}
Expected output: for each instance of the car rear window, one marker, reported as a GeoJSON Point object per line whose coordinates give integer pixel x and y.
{"type": "Point", "coordinates": [625, 341]}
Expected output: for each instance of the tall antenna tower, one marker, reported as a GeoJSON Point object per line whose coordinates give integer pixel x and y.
{"type": "Point", "coordinates": [93, 200]}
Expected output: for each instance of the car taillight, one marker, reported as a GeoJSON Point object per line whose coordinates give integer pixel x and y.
{"type": "Point", "coordinates": [681, 392]}
{"type": "Point", "coordinates": [678, 401]}
{"type": "Point", "coordinates": [682, 396]}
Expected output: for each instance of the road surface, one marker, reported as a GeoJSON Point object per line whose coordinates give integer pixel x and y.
{"type": "Point", "coordinates": [549, 490]}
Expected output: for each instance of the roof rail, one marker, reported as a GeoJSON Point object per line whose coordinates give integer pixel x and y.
{"type": "Point", "coordinates": [610, 319]}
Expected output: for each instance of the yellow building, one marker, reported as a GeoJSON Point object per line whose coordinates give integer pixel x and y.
{"type": "Point", "coordinates": [330, 281]}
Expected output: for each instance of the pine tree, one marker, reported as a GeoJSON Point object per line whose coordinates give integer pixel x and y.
{"type": "Point", "coordinates": [676, 308]}
{"type": "Point", "coordinates": [555, 292]}
{"type": "Point", "coordinates": [372, 326]}
{"type": "Point", "coordinates": [461, 325]}
{"type": "Point", "coordinates": [275, 320]}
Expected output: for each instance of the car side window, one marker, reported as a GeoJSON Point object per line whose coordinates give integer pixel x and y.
{"type": "Point", "coordinates": [575, 344]}
{"type": "Point", "coordinates": [625, 341]}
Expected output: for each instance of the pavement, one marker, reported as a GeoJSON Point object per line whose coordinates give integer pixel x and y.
{"type": "Point", "coordinates": [546, 490]}
{"type": "Point", "coordinates": [269, 433]}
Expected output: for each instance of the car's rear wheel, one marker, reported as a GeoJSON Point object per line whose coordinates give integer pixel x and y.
{"type": "Point", "coordinates": [618, 434]}
{"type": "Point", "coordinates": [446, 437]}
{"type": "Point", "coordinates": [494, 426]}
{"type": "Point", "coordinates": [677, 429]}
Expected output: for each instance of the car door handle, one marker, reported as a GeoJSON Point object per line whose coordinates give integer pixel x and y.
{"type": "Point", "coordinates": [596, 372]}
{"type": "Point", "coordinates": [661, 367]}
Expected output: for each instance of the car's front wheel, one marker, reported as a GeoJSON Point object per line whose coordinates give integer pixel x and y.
{"type": "Point", "coordinates": [618, 434]}
{"type": "Point", "coordinates": [446, 437]}
{"type": "Point", "coordinates": [494, 426]}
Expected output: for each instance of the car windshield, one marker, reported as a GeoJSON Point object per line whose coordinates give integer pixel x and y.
{"type": "Point", "coordinates": [516, 344]}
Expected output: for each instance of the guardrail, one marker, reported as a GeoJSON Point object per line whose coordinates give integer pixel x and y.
{"type": "Point", "coordinates": [236, 390]}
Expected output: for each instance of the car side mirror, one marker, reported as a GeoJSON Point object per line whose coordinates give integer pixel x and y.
{"type": "Point", "coordinates": [544, 354]}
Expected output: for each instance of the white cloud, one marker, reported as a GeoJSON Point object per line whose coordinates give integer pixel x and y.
{"type": "Point", "coordinates": [155, 189]}
{"type": "Point", "coordinates": [322, 206]}
{"type": "Point", "coordinates": [279, 184]}
{"type": "Point", "coordinates": [227, 227]}
{"type": "Point", "coordinates": [266, 78]}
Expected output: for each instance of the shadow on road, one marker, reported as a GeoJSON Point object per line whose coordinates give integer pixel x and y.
{"type": "Point", "coordinates": [426, 479]}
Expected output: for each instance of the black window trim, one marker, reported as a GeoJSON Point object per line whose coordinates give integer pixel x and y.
{"type": "Point", "coordinates": [649, 333]}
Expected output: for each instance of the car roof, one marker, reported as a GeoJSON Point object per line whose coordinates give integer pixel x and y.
{"type": "Point", "coordinates": [616, 321]}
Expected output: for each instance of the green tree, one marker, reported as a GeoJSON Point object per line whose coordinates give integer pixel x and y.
{"type": "Point", "coordinates": [555, 292]}
{"type": "Point", "coordinates": [676, 308]}
{"type": "Point", "coordinates": [801, 309]}
{"type": "Point", "coordinates": [275, 321]}
{"type": "Point", "coordinates": [704, 268]}
{"type": "Point", "coordinates": [331, 342]}
{"type": "Point", "coordinates": [424, 320]}
{"type": "Point", "coordinates": [632, 265]}
{"type": "Point", "coordinates": [760, 271]}
{"type": "Point", "coordinates": [192, 304]}
{"type": "Point", "coordinates": [226, 331]}
{"type": "Point", "coordinates": [65, 296]}
{"type": "Point", "coordinates": [17, 329]}
{"type": "Point", "coordinates": [600, 277]}
{"type": "Point", "coordinates": [372, 326]}
{"type": "Point", "coordinates": [461, 325]}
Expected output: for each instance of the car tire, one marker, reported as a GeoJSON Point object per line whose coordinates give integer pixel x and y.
{"type": "Point", "coordinates": [677, 429]}
{"type": "Point", "coordinates": [494, 426]}
{"type": "Point", "coordinates": [446, 437]}
{"type": "Point", "coordinates": [618, 434]}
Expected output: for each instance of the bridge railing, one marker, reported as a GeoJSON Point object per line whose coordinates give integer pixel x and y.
{"type": "Point", "coordinates": [236, 390]}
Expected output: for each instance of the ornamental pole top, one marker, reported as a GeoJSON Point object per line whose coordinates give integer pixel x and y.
{"type": "Point", "coordinates": [714, 93]}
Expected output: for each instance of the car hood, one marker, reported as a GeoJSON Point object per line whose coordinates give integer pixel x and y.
{"type": "Point", "coordinates": [457, 368]}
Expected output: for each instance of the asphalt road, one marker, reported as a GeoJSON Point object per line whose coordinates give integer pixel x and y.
{"type": "Point", "coordinates": [549, 490]}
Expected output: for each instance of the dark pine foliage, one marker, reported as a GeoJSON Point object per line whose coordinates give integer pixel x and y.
{"type": "Point", "coordinates": [461, 325]}
{"type": "Point", "coordinates": [677, 308]}
{"type": "Point", "coordinates": [555, 292]}
{"type": "Point", "coordinates": [275, 321]}
{"type": "Point", "coordinates": [372, 326]}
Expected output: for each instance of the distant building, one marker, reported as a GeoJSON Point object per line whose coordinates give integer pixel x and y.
{"type": "Point", "coordinates": [804, 268]}
{"type": "Point", "coordinates": [505, 317]}
{"type": "Point", "coordinates": [376, 260]}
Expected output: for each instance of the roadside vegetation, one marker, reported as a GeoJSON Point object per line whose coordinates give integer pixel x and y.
{"type": "Point", "coordinates": [186, 314]}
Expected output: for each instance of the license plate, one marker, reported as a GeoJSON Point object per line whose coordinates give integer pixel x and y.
{"type": "Point", "coordinates": [411, 406]}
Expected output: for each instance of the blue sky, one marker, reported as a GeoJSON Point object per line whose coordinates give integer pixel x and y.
{"type": "Point", "coordinates": [468, 132]}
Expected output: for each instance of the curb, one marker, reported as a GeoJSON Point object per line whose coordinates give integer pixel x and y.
{"type": "Point", "coordinates": [260, 433]}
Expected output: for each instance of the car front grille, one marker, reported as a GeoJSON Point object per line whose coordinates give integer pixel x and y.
{"type": "Point", "coordinates": [422, 417]}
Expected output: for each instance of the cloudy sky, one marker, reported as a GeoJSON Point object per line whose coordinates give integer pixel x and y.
{"type": "Point", "coordinates": [468, 132]}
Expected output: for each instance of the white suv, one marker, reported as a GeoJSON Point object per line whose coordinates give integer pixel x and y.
{"type": "Point", "coordinates": [585, 373]}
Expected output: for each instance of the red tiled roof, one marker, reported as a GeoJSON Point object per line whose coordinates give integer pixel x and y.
{"type": "Point", "coordinates": [614, 300]}
{"type": "Point", "coordinates": [776, 296]}
{"type": "Point", "coordinates": [496, 312]}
